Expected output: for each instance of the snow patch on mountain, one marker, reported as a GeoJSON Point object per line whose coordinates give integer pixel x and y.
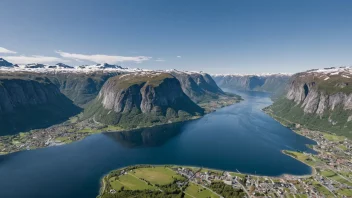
{"type": "Point", "coordinates": [258, 75]}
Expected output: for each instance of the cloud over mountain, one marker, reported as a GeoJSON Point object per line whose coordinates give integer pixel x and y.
{"type": "Point", "coordinates": [6, 51]}
{"type": "Point", "coordinates": [33, 59]}
{"type": "Point", "coordinates": [101, 58]}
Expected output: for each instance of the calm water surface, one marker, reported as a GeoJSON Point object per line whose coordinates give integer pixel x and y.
{"type": "Point", "coordinates": [238, 137]}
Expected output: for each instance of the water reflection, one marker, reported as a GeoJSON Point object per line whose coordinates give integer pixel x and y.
{"type": "Point", "coordinates": [147, 137]}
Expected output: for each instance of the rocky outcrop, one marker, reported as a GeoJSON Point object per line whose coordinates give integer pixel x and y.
{"type": "Point", "coordinates": [268, 83]}
{"type": "Point", "coordinates": [31, 103]}
{"type": "Point", "coordinates": [317, 93]}
{"type": "Point", "coordinates": [320, 100]}
{"type": "Point", "coordinates": [81, 88]}
{"type": "Point", "coordinates": [142, 98]}
{"type": "Point", "coordinates": [198, 86]}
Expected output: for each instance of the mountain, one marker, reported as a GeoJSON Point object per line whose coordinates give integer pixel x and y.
{"type": "Point", "coordinates": [35, 65]}
{"type": "Point", "coordinates": [142, 99]}
{"type": "Point", "coordinates": [81, 88]}
{"type": "Point", "coordinates": [79, 85]}
{"type": "Point", "coordinates": [4, 63]}
{"type": "Point", "coordinates": [319, 99]}
{"type": "Point", "coordinates": [267, 82]}
{"type": "Point", "coordinates": [137, 97]}
{"type": "Point", "coordinates": [27, 103]}
{"type": "Point", "coordinates": [102, 66]}
{"type": "Point", "coordinates": [200, 87]}
{"type": "Point", "coordinates": [60, 66]}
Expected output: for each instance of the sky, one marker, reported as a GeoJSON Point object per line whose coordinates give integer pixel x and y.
{"type": "Point", "coordinates": [218, 37]}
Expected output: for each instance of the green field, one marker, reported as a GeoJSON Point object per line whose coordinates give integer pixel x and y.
{"type": "Point", "coordinates": [322, 189]}
{"type": "Point", "coordinates": [327, 173]}
{"type": "Point", "coordinates": [129, 182]}
{"type": "Point", "coordinates": [157, 175]}
{"type": "Point", "coordinates": [64, 139]}
{"type": "Point", "coordinates": [199, 191]}
{"type": "Point", "coordinates": [310, 160]}
{"type": "Point", "coordinates": [332, 175]}
{"type": "Point", "coordinates": [334, 138]}
{"type": "Point", "coordinates": [301, 196]}
{"type": "Point", "coordinates": [238, 175]}
{"type": "Point", "coordinates": [346, 192]}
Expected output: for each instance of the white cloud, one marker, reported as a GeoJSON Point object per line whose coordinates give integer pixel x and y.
{"type": "Point", "coordinates": [33, 59]}
{"type": "Point", "coordinates": [178, 56]}
{"type": "Point", "coordinates": [100, 58]}
{"type": "Point", "coordinates": [6, 51]}
{"type": "Point", "coordinates": [160, 60]}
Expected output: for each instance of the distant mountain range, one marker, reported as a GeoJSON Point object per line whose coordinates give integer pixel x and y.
{"type": "Point", "coordinates": [274, 83]}
{"type": "Point", "coordinates": [109, 94]}
{"type": "Point", "coordinates": [61, 67]}
{"type": "Point", "coordinates": [38, 95]}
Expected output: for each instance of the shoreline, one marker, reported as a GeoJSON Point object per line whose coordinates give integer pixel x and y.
{"type": "Point", "coordinates": [213, 106]}
{"type": "Point", "coordinates": [102, 181]}
{"type": "Point", "coordinates": [314, 171]}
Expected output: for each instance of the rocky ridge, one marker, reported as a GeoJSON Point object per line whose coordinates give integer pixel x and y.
{"type": "Point", "coordinates": [142, 99]}
{"type": "Point", "coordinates": [198, 86]}
{"type": "Point", "coordinates": [319, 99]}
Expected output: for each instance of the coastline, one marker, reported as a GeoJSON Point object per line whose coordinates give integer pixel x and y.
{"type": "Point", "coordinates": [310, 181]}
{"type": "Point", "coordinates": [102, 187]}
{"type": "Point", "coordinates": [331, 164]}
{"type": "Point", "coordinates": [314, 171]}
{"type": "Point", "coordinates": [284, 151]}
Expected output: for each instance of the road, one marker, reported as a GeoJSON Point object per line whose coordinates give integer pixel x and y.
{"type": "Point", "coordinates": [243, 187]}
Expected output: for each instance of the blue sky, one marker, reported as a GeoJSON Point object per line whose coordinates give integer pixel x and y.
{"type": "Point", "coordinates": [224, 36]}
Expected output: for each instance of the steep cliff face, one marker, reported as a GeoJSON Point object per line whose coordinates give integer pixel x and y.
{"type": "Point", "coordinates": [141, 99]}
{"type": "Point", "coordinates": [321, 99]}
{"type": "Point", "coordinates": [316, 92]}
{"type": "Point", "coordinates": [31, 103]}
{"type": "Point", "coordinates": [200, 87]}
{"type": "Point", "coordinates": [80, 88]}
{"type": "Point", "coordinates": [268, 83]}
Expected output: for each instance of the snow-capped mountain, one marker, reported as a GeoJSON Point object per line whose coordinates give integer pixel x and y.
{"type": "Point", "coordinates": [101, 66]}
{"type": "Point", "coordinates": [61, 67]}
{"type": "Point", "coordinates": [327, 73]}
{"type": "Point", "coordinates": [4, 63]}
{"type": "Point", "coordinates": [258, 75]}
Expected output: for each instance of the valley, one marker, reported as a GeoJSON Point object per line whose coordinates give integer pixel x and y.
{"type": "Point", "coordinates": [331, 164]}
{"type": "Point", "coordinates": [175, 99]}
{"type": "Point", "coordinates": [120, 102]}
{"type": "Point", "coordinates": [102, 98]}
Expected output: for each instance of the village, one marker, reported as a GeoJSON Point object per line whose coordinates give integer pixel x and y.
{"type": "Point", "coordinates": [331, 172]}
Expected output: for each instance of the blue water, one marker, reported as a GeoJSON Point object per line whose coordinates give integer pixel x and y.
{"type": "Point", "coordinates": [240, 137]}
